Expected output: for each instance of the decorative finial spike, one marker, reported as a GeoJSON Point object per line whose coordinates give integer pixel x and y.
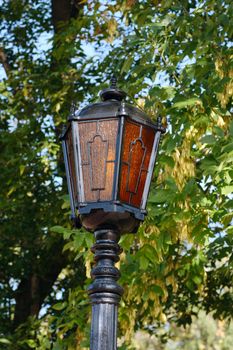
{"type": "Point", "coordinates": [159, 120]}
{"type": "Point", "coordinates": [113, 82]}
{"type": "Point", "coordinates": [160, 125]}
{"type": "Point", "coordinates": [72, 108]}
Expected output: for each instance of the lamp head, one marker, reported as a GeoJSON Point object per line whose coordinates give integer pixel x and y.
{"type": "Point", "coordinates": [110, 150]}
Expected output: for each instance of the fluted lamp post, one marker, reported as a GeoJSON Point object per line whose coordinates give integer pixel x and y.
{"type": "Point", "coordinates": [109, 151]}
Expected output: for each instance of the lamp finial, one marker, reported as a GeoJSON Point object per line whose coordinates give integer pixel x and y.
{"type": "Point", "coordinates": [113, 81]}
{"type": "Point", "coordinates": [112, 93]}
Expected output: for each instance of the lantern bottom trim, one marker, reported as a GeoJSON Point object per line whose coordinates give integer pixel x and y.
{"type": "Point", "coordinates": [116, 206]}
{"type": "Point", "coordinates": [120, 217]}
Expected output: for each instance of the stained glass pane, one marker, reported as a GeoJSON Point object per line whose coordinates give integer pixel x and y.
{"type": "Point", "coordinates": [136, 152]}
{"type": "Point", "coordinates": [98, 153]}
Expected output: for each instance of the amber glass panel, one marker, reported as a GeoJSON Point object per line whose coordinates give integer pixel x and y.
{"type": "Point", "coordinates": [70, 153]}
{"type": "Point", "coordinates": [98, 154]}
{"type": "Point", "coordinates": [136, 151]}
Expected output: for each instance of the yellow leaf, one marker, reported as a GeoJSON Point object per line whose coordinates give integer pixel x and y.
{"type": "Point", "coordinates": [21, 169]}
{"type": "Point", "coordinates": [12, 189]}
{"type": "Point", "coordinates": [112, 28]}
{"type": "Point", "coordinates": [58, 107]}
{"type": "Point", "coordinates": [162, 317]}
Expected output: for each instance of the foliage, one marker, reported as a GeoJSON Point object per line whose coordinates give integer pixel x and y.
{"type": "Point", "coordinates": [173, 58]}
{"type": "Point", "coordinates": [204, 333]}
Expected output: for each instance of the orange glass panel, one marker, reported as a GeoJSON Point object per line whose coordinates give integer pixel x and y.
{"type": "Point", "coordinates": [70, 154]}
{"type": "Point", "coordinates": [136, 152]}
{"type": "Point", "coordinates": [98, 154]}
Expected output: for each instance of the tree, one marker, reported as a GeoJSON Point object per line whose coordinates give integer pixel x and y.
{"type": "Point", "coordinates": [173, 58]}
{"type": "Point", "coordinates": [32, 96]}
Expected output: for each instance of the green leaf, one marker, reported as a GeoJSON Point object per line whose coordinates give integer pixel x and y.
{"type": "Point", "coordinates": [186, 103]}
{"type": "Point", "coordinates": [21, 169]}
{"type": "Point", "coordinates": [197, 280]}
{"type": "Point", "coordinates": [31, 343]}
{"type": "Point", "coordinates": [164, 159]}
{"type": "Point", "coordinates": [5, 341]}
{"type": "Point", "coordinates": [88, 239]}
{"type": "Point", "coordinates": [57, 346]}
{"type": "Point", "coordinates": [127, 64]}
{"type": "Point", "coordinates": [219, 131]}
{"type": "Point", "coordinates": [59, 306]}
{"type": "Point", "coordinates": [79, 239]}
{"type": "Point", "coordinates": [156, 25]}
{"type": "Point", "coordinates": [68, 246]}
{"type": "Point", "coordinates": [58, 229]}
{"type": "Point", "coordinates": [231, 128]}
{"type": "Point", "coordinates": [67, 234]}
{"type": "Point", "coordinates": [227, 190]}
{"type": "Point", "coordinates": [157, 290]}
{"type": "Point", "coordinates": [161, 196]}
{"type": "Point", "coordinates": [209, 139]}
{"type": "Point", "coordinates": [228, 147]}
{"type": "Point", "coordinates": [150, 253]}
{"type": "Point", "coordinates": [143, 262]}
{"type": "Point", "coordinates": [230, 230]}
{"type": "Point", "coordinates": [63, 230]}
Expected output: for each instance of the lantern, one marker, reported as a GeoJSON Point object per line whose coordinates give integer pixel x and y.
{"type": "Point", "coordinates": [110, 150]}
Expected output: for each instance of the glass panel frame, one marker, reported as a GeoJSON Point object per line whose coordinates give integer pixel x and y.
{"type": "Point", "coordinates": [77, 161]}
{"type": "Point", "coordinates": [68, 177]}
{"type": "Point", "coordinates": [151, 169]}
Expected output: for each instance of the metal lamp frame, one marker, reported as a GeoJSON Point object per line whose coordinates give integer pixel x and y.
{"type": "Point", "coordinates": [101, 111]}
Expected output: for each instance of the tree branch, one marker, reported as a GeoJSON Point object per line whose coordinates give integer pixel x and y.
{"type": "Point", "coordinates": [34, 288]}
{"type": "Point", "coordinates": [63, 11]}
{"type": "Point", "coordinates": [4, 60]}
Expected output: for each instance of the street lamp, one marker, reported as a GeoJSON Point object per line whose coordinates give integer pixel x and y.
{"type": "Point", "coordinates": [109, 150]}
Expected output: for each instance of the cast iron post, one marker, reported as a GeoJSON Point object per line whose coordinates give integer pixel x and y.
{"type": "Point", "coordinates": [104, 292]}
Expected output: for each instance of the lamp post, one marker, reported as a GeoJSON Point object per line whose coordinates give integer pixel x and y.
{"type": "Point", "coordinates": [109, 151]}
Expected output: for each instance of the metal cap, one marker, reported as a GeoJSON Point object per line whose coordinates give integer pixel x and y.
{"type": "Point", "coordinates": [112, 93]}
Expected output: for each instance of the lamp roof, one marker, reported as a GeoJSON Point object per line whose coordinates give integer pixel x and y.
{"type": "Point", "coordinates": [113, 105]}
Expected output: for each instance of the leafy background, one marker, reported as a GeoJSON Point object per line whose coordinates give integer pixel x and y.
{"type": "Point", "coordinates": [174, 59]}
